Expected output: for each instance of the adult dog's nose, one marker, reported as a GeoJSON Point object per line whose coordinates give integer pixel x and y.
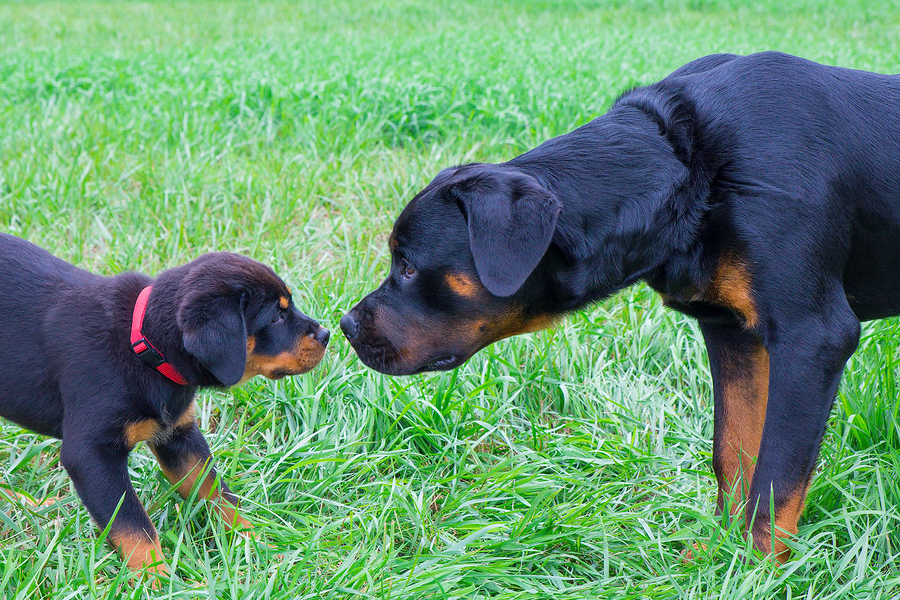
{"type": "Point", "coordinates": [349, 326]}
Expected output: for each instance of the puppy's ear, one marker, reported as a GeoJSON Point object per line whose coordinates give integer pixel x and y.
{"type": "Point", "coordinates": [214, 331]}
{"type": "Point", "coordinates": [511, 220]}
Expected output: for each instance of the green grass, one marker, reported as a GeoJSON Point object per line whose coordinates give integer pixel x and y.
{"type": "Point", "coordinates": [573, 463]}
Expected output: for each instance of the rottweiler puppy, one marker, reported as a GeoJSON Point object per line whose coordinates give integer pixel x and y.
{"type": "Point", "coordinates": [758, 194]}
{"type": "Point", "coordinates": [106, 362]}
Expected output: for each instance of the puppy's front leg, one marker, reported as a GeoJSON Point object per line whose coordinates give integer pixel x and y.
{"type": "Point", "coordinates": [98, 467]}
{"type": "Point", "coordinates": [187, 462]}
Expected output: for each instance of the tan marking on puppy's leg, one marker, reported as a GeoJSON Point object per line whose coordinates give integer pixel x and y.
{"type": "Point", "coordinates": [210, 490]}
{"type": "Point", "coordinates": [192, 469]}
{"type": "Point", "coordinates": [188, 417]}
{"type": "Point", "coordinates": [142, 552]}
{"type": "Point", "coordinates": [185, 475]}
{"type": "Point", "coordinates": [230, 513]}
{"type": "Point", "coordinates": [141, 431]}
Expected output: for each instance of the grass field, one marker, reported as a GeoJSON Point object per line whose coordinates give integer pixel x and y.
{"type": "Point", "coordinates": [573, 463]}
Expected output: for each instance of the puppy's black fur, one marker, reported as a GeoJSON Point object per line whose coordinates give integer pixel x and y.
{"type": "Point", "coordinates": [759, 194]}
{"type": "Point", "coordinates": [67, 368]}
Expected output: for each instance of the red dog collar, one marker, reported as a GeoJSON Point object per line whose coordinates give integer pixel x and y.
{"type": "Point", "coordinates": [142, 347]}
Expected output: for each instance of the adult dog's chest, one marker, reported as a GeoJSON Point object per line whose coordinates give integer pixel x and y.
{"type": "Point", "coordinates": [725, 295]}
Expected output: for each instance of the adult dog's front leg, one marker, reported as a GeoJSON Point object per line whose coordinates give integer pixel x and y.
{"type": "Point", "coordinates": [186, 460]}
{"type": "Point", "coordinates": [740, 371]}
{"type": "Point", "coordinates": [807, 355]}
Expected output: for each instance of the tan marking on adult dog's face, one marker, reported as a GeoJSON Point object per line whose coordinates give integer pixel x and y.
{"type": "Point", "coordinates": [283, 302]}
{"type": "Point", "coordinates": [463, 285]}
{"type": "Point", "coordinates": [516, 324]}
{"type": "Point", "coordinates": [439, 343]}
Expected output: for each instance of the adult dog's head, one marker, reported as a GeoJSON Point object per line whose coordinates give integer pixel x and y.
{"type": "Point", "coordinates": [487, 251]}
{"type": "Point", "coordinates": [461, 253]}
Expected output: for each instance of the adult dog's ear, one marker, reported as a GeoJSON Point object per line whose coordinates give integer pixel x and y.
{"type": "Point", "coordinates": [511, 220]}
{"type": "Point", "coordinates": [214, 331]}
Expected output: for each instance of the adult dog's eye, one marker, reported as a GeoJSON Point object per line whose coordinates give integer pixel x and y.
{"type": "Point", "coordinates": [278, 317]}
{"type": "Point", "coordinates": [407, 270]}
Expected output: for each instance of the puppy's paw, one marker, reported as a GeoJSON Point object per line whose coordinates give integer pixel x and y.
{"type": "Point", "coordinates": [692, 554]}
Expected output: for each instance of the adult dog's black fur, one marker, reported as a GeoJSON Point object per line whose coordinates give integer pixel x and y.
{"type": "Point", "coordinates": [759, 194]}
{"type": "Point", "coordinates": [67, 369]}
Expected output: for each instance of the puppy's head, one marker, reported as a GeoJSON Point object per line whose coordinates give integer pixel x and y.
{"type": "Point", "coordinates": [237, 318]}
{"type": "Point", "coordinates": [461, 252]}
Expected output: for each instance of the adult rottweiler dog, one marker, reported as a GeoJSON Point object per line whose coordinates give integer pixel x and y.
{"type": "Point", "coordinates": [758, 194]}
{"type": "Point", "coordinates": [106, 362]}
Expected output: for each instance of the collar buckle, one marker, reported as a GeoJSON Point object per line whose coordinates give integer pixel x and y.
{"type": "Point", "coordinates": [148, 355]}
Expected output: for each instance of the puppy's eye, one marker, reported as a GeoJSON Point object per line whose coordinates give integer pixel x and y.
{"type": "Point", "coordinates": [278, 317]}
{"type": "Point", "coordinates": [407, 270]}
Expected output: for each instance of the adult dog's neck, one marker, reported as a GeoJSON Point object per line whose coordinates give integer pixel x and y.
{"type": "Point", "coordinates": [633, 207]}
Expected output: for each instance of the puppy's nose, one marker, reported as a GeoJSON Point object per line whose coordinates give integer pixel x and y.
{"type": "Point", "coordinates": [322, 336]}
{"type": "Point", "coordinates": [349, 326]}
